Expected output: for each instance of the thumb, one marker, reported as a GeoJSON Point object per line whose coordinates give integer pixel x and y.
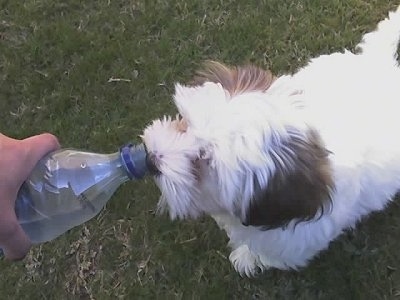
{"type": "Point", "coordinates": [38, 146]}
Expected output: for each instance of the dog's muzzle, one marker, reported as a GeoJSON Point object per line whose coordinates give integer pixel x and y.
{"type": "Point", "coordinates": [152, 164]}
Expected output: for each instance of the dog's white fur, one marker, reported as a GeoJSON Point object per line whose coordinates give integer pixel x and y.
{"type": "Point", "coordinates": [209, 160]}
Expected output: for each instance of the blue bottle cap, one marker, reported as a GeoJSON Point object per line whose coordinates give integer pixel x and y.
{"type": "Point", "coordinates": [134, 159]}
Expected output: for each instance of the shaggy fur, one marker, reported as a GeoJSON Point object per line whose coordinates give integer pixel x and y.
{"type": "Point", "coordinates": [284, 165]}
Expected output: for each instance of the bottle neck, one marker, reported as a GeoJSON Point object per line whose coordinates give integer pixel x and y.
{"type": "Point", "coordinates": [133, 159]}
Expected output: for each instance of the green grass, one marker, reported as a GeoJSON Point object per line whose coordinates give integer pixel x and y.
{"type": "Point", "coordinates": [56, 58]}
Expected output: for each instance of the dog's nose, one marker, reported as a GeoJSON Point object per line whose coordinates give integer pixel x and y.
{"type": "Point", "coordinates": [152, 163]}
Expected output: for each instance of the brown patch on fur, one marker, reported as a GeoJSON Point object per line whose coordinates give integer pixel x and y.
{"type": "Point", "coordinates": [180, 125]}
{"type": "Point", "coordinates": [235, 80]}
{"type": "Point", "coordinates": [300, 194]}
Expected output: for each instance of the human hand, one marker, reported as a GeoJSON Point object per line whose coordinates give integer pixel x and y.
{"type": "Point", "coordinates": [17, 160]}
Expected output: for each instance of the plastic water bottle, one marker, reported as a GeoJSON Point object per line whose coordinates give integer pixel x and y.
{"type": "Point", "coordinates": [69, 187]}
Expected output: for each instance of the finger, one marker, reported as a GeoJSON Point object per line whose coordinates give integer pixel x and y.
{"type": "Point", "coordinates": [15, 242]}
{"type": "Point", "coordinates": [38, 146]}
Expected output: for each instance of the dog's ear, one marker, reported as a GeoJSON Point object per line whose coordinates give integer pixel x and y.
{"type": "Point", "coordinates": [234, 80]}
{"type": "Point", "coordinates": [300, 192]}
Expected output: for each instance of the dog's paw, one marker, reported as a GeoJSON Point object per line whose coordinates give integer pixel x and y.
{"type": "Point", "coordinates": [245, 262]}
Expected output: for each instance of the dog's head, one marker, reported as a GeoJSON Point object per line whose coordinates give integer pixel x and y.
{"type": "Point", "coordinates": [237, 146]}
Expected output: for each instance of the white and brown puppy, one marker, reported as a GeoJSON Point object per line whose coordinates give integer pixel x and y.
{"type": "Point", "coordinates": [284, 164]}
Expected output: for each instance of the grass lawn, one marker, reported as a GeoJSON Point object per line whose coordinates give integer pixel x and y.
{"type": "Point", "coordinates": [58, 60]}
